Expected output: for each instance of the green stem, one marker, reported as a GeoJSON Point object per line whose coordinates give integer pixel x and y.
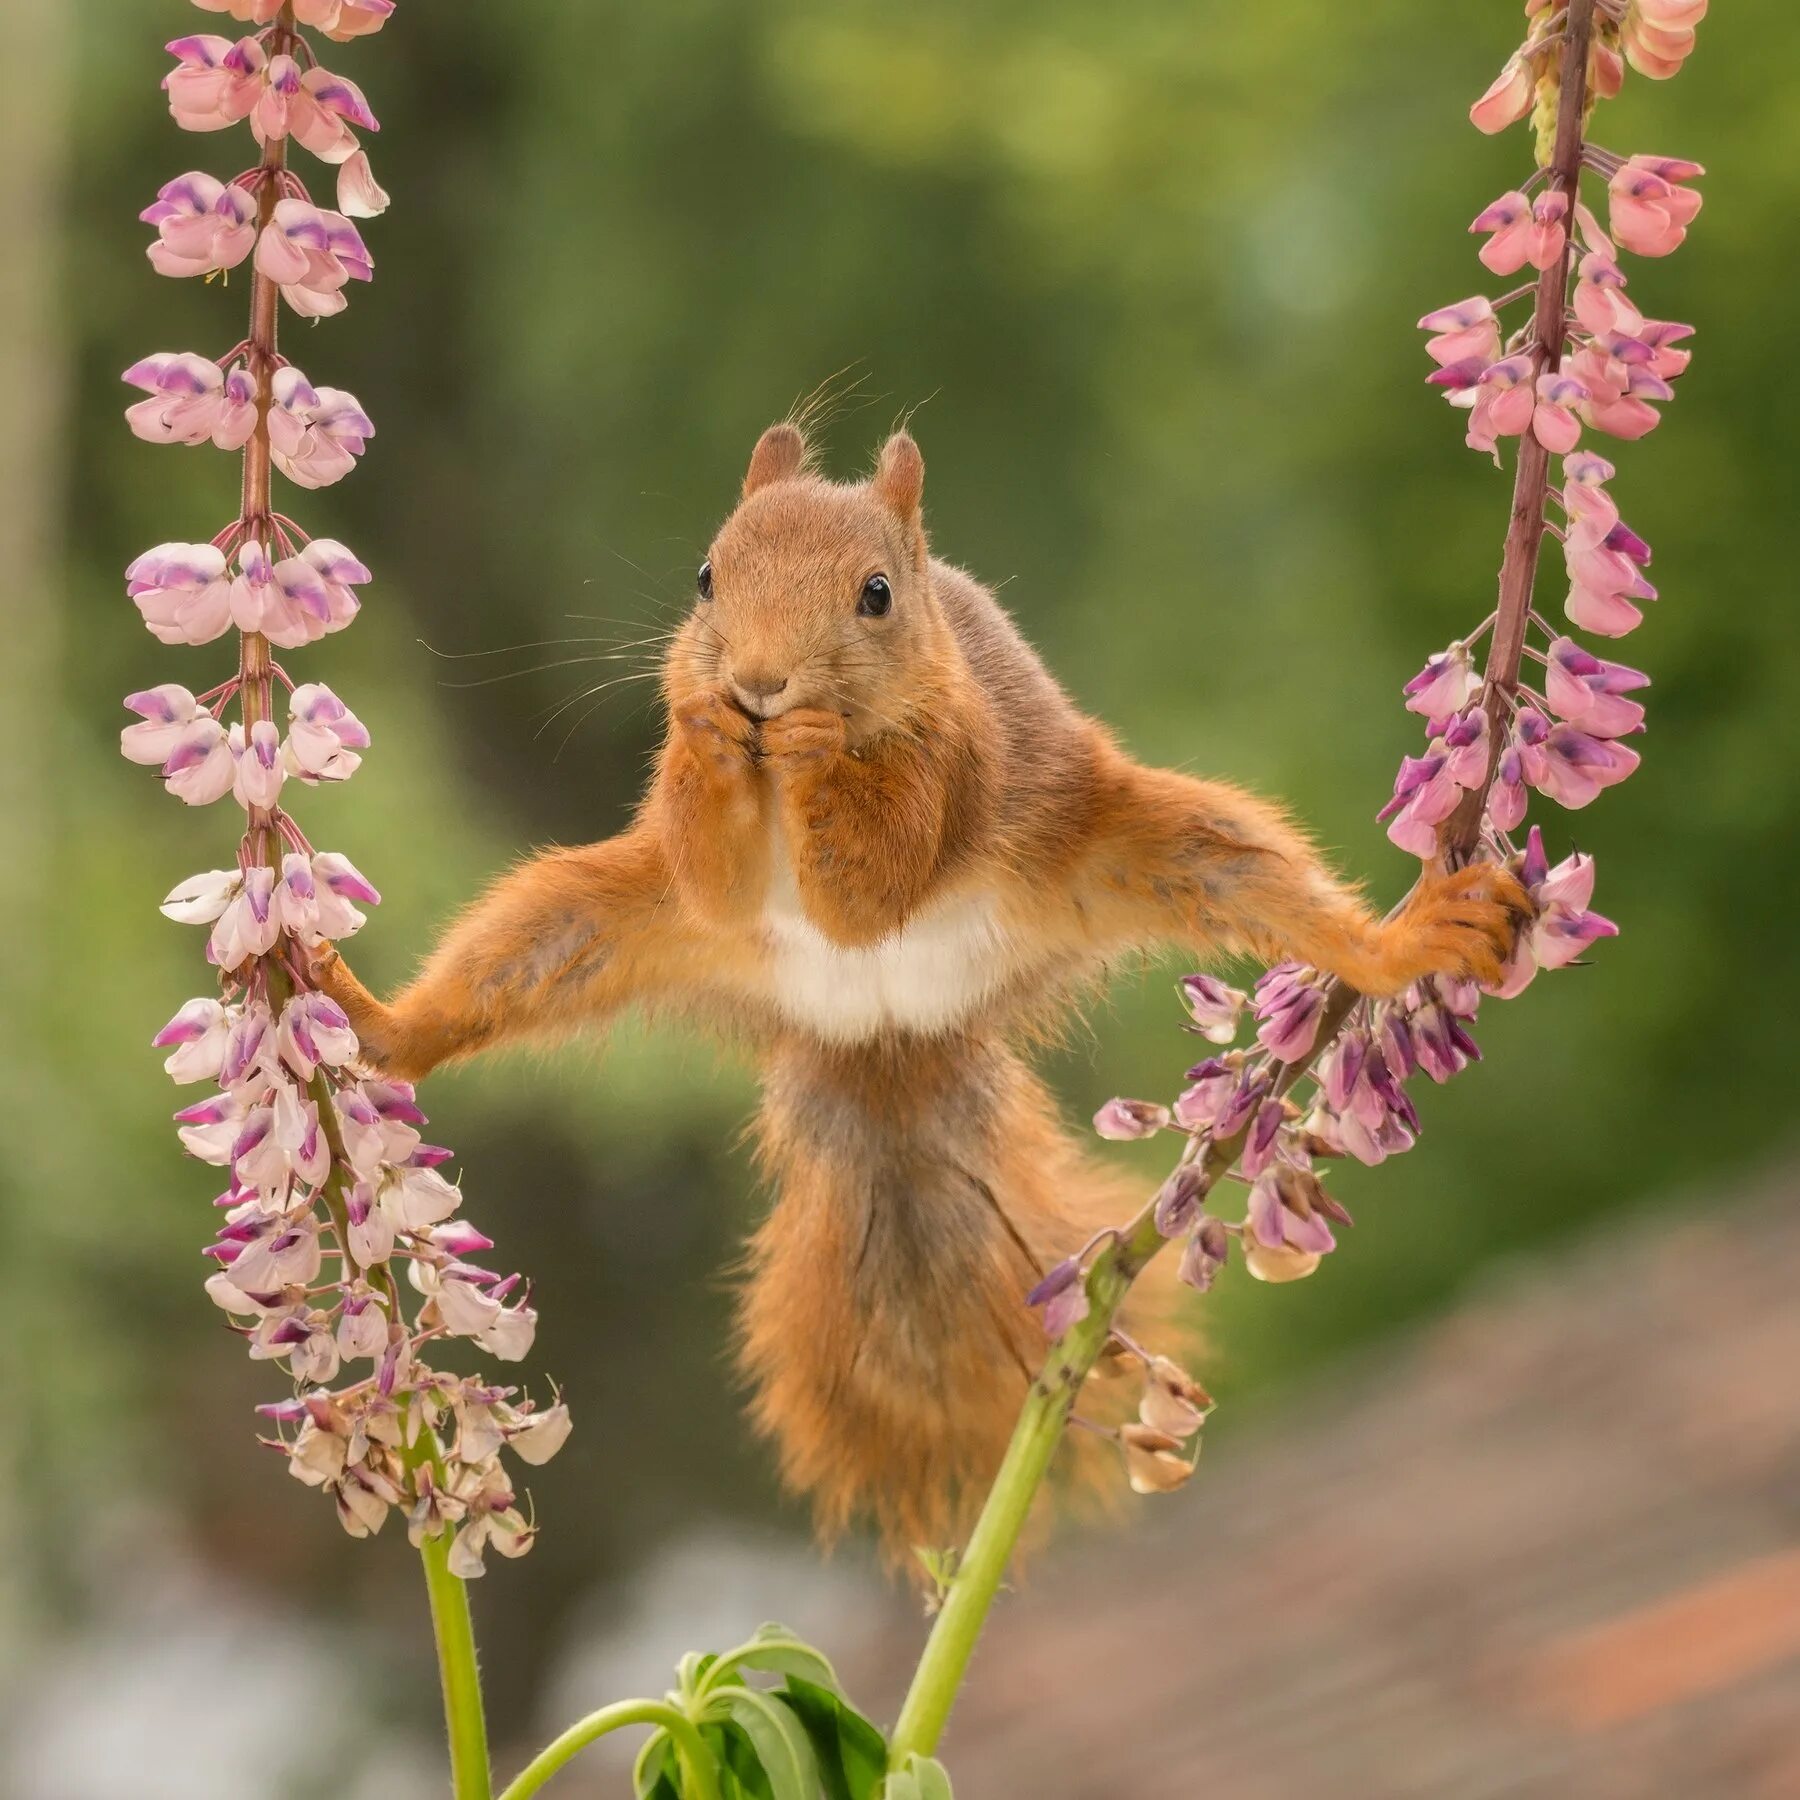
{"type": "Point", "coordinates": [698, 1777]}
{"type": "Point", "coordinates": [926, 1709]}
{"type": "Point", "coordinates": [464, 1723]}
{"type": "Point", "coordinates": [1003, 1514]}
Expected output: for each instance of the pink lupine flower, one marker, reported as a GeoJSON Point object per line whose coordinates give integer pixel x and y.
{"type": "Point", "coordinates": [1605, 579]}
{"type": "Point", "coordinates": [1563, 927]}
{"type": "Point", "coordinates": [259, 771]}
{"type": "Point", "coordinates": [1506, 801]}
{"type": "Point", "coordinates": [1660, 335]}
{"type": "Point", "coordinates": [1600, 301]}
{"type": "Point", "coordinates": [1523, 231]}
{"type": "Point", "coordinates": [1651, 208]}
{"type": "Point", "coordinates": [1569, 765]}
{"type": "Point", "coordinates": [341, 20]}
{"type": "Point", "coordinates": [182, 591]}
{"type": "Point", "coordinates": [246, 12]}
{"type": "Point", "coordinates": [1290, 1002]}
{"type": "Point", "coordinates": [215, 82]}
{"type": "Point", "coordinates": [314, 1030]}
{"type": "Point", "coordinates": [202, 225]}
{"type": "Point", "coordinates": [417, 1199]}
{"type": "Point", "coordinates": [1286, 1231]}
{"type": "Point", "coordinates": [1214, 1007]}
{"type": "Point", "coordinates": [359, 194]}
{"type": "Point", "coordinates": [1446, 684]}
{"type": "Point", "coordinates": [1658, 35]}
{"type": "Point", "coordinates": [192, 400]}
{"type": "Point", "coordinates": [1469, 331]}
{"type": "Point", "coordinates": [1123, 1120]}
{"type": "Point", "coordinates": [201, 766]}
{"type": "Point", "coordinates": [245, 1065]}
{"type": "Point", "coordinates": [1507, 100]}
{"type": "Point", "coordinates": [316, 109]}
{"type": "Point", "coordinates": [1505, 402]}
{"type": "Point", "coordinates": [314, 898]}
{"type": "Point", "coordinates": [1444, 1049]}
{"type": "Point", "coordinates": [283, 600]}
{"type": "Point", "coordinates": [338, 571]}
{"type": "Point", "coordinates": [310, 252]}
{"type": "Point", "coordinates": [244, 923]}
{"type": "Point", "coordinates": [195, 1039]}
{"type": "Point", "coordinates": [1621, 382]}
{"type": "Point", "coordinates": [1429, 788]}
{"type": "Point", "coordinates": [1587, 691]}
{"type": "Point", "coordinates": [1553, 420]}
{"type": "Point", "coordinates": [1212, 1083]}
{"type": "Point", "coordinates": [165, 712]}
{"type": "Point", "coordinates": [324, 735]}
{"type": "Point", "coordinates": [315, 434]}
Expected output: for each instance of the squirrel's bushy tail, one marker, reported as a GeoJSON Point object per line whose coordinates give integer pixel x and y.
{"type": "Point", "coordinates": [923, 1187]}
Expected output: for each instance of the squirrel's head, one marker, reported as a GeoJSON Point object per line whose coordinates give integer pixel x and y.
{"type": "Point", "coordinates": [816, 593]}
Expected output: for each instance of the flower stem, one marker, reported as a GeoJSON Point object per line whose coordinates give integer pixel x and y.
{"type": "Point", "coordinates": [464, 1722]}
{"type": "Point", "coordinates": [1531, 481]}
{"type": "Point", "coordinates": [1048, 1405]}
{"type": "Point", "coordinates": [699, 1779]}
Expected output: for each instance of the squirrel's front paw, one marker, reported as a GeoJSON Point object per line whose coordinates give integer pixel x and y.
{"type": "Point", "coordinates": [720, 733]}
{"type": "Point", "coordinates": [807, 734]}
{"type": "Point", "coordinates": [1464, 923]}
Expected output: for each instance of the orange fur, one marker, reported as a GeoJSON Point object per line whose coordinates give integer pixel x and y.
{"type": "Point", "coordinates": [881, 850]}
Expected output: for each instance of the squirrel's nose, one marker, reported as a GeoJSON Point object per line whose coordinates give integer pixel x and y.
{"type": "Point", "coordinates": [754, 686]}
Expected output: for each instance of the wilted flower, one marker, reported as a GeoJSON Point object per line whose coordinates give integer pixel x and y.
{"type": "Point", "coordinates": [1286, 1230]}
{"type": "Point", "coordinates": [1123, 1120]}
{"type": "Point", "coordinates": [1154, 1462]}
{"type": "Point", "coordinates": [1214, 1007]}
{"type": "Point", "coordinates": [1205, 1254]}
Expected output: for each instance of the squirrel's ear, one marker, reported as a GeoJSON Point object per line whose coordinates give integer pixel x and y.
{"type": "Point", "coordinates": [900, 477]}
{"type": "Point", "coordinates": [780, 452]}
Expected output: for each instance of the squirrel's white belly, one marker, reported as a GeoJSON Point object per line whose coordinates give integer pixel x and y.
{"type": "Point", "coordinates": [927, 977]}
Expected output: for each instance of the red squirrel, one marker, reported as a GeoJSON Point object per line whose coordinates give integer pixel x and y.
{"type": "Point", "coordinates": [884, 850]}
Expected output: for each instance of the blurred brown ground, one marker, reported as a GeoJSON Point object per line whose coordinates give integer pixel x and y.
{"type": "Point", "coordinates": [1549, 1547]}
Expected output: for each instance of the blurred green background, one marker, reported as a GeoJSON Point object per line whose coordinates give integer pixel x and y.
{"type": "Point", "coordinates": [1147, 273]}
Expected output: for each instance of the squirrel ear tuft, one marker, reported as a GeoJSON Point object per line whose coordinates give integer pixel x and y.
{"type": "Point", "coordinates": [780, 453]}
{"type": "Point", "coordinates": [900, 477]}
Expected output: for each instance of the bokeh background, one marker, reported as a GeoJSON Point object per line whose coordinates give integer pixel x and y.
{"type": "Point", "coordinates": [1145, 276]}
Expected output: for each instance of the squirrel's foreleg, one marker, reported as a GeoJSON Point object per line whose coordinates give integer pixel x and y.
{"type": "Point", "coordinates": [561, 940]}
{"type": "Point", "coordinates": [1203, 864]}
{"type": "Point", "coordinates": [865, 829]}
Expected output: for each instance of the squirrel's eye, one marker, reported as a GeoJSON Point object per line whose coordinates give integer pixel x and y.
{"type": "Point", "coordinates": [704, 581]}
{"type": "Point", "coordinates": [877, 597]}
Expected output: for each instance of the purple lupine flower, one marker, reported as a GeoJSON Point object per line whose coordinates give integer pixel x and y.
{"type": "Point", "coordinates": [1290, 1002]}
{"type": "Point", "coordinates": [1214, 1007]}
{"type": "Point", "coordinates": [1124, 1120]}
{"type": "Point", "coordinates": [1063, 1295]}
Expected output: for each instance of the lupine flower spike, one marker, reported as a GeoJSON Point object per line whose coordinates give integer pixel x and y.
{"type": "Point", "coordinates": [1546, 715]}
{"type": "Point", "coordinates": [330, 1191]}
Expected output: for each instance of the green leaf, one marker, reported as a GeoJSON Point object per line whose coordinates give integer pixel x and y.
{"type": "Point", "coordinates": [852, 1753]}
{"type": "Point", "coordinates": [774, 1651]}
{"type": "Point", "coordinates": [919, 1778]}
{"type": "Point", "coordinates": [653, 1774]}
{"type": "Point", "coordinates": [778, 1738]}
